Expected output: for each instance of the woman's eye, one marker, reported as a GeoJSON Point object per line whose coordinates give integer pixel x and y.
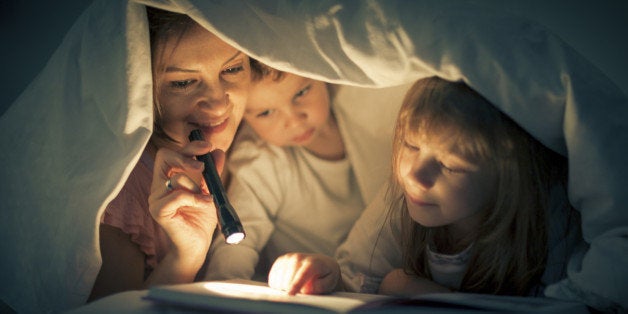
{"type": "Point", "coordinates": [233, 70]}
{"type": "Point", "coordinates": [182, 84]}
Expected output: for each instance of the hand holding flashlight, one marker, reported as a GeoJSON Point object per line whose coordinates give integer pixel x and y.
{"type": "Point", "coordinates": [230, 224]}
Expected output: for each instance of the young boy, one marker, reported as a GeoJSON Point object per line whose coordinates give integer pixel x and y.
{"type": "Point", "coordinates": [303, 167]}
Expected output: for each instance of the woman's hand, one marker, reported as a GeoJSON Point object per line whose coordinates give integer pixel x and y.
{"type": "Point", "coordinates": [398, 283]}
{"type": "Point", "coordinates": [185, 209]}
{"type": "Point", "coordinates": [304, 273]}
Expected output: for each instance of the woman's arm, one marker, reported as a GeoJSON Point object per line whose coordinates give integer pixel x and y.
{"type": "Point", "coordinates": [122, 264]}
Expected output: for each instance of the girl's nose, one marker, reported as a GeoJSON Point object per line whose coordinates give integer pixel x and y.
{"type": "Point", "coordinates": [425, 172]}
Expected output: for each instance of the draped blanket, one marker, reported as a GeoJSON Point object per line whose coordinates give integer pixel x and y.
{"type": "Point", "coordinates": [71, 139]}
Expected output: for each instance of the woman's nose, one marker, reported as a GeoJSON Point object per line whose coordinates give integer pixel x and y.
{"type": "Point", "coordinates": [214, 99]}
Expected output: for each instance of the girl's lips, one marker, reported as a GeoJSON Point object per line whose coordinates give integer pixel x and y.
{"type": "Point", "coordinates": [417, 201]}
{"type": "Point", "coordinates": [303, 137]}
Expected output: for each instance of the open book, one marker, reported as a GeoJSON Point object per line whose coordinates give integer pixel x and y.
{"type": "Point", "coordinates": [257, 297]}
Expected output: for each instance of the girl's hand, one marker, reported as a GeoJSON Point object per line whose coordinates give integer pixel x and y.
{"type": "Point", "coordinates": [304, 273]}
{"type": "Point", "coordinates": [185, 210]}
{"type": "Point", "coordinates": [398, 283]}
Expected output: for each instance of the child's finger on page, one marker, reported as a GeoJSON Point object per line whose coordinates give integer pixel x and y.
{"type": "Point", "coordinates": [300, 280]}
{"type": "Point", "coordinates": [322, 285]}
{"type": "Point", "coordinates": [281, 273]}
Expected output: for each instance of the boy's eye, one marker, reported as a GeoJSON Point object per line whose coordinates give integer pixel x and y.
{"type": "Point", "coordinates": [183, 84]}
{"type": "Point", "coordinates": [265, 113]}
{"type": "Point", "coordinates": [302, 91]}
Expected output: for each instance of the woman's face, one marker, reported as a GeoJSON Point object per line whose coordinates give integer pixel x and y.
{"type": "Point", "coordinates": [441, 186]}
{"type": "Point", "coordinates": [202, 84]}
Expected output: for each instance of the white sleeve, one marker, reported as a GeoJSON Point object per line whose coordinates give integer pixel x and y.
{"type": "Point", "coordinates": [255, 193]}
{"type": "Point", "coordinates": [372, 248]}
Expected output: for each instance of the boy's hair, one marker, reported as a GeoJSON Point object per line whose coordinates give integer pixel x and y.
{"type": "Point", "coordinates": [510, 247]}
{"type": "Point", "coordinates": [259, 71]}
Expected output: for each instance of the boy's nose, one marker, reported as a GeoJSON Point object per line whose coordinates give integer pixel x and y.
{"type": "Point", "coordinates": [295, 117]}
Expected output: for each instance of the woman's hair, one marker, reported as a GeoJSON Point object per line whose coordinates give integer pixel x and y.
{"type": "Point", "coordinates": [163, 26]}
{"type": "Point", "coordinates": [510, 247]}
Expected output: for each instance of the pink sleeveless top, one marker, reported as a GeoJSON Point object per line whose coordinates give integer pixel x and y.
{"type": "Point", "coordinates": [129, 213]}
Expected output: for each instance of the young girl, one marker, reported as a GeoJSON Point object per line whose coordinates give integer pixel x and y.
{"type": "Point", "coordinates": [298, 175]}
{"type": "Point", "coordinates": [160, 226]}
{"type": "Point", "coordinates": [468, 207]}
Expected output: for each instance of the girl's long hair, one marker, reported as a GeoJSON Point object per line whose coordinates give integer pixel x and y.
{"type": "Point", "coordinates": [510, 246]}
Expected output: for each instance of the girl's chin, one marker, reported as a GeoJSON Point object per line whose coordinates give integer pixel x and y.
{"type": "Point", "coordinates": [422, 218]}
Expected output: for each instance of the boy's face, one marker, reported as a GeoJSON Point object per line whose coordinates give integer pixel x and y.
{"type": "Point", "coordinates": [441, 186]}
{"type": "Point", "coordinates": [289, 112]}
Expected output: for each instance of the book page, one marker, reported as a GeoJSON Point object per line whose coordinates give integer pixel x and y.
{"type": "Point", "coordinates": [242, 295]}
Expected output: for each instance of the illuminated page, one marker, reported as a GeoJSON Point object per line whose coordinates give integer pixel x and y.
{"type": "Point", "coordinates": [250, 296]}
{"type": "Point", "coordinates": [256, 297]}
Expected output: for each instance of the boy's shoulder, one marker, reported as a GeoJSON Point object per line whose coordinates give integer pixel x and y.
{"type": "Point", "coordinates": [249, 150]}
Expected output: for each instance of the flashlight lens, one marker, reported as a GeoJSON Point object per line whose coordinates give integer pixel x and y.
{"type": "Point", "coordinates": [235, 238]}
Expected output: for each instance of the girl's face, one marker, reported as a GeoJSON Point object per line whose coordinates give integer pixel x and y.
{"type": "Point", "coordinates": [441, 186]}
{"type": "Point", "coordinates": [293, 111]}
{"type": "Point", "coordinates": [202, 84]}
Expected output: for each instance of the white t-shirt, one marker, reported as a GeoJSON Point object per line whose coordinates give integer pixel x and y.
{"type": "Point", "coordinates": [448, 269]}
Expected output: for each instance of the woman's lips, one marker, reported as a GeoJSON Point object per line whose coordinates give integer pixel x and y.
{"type": "Point", "coordinates": [209, 129]}
{"type": "Point", "coordinates": [303, 137]}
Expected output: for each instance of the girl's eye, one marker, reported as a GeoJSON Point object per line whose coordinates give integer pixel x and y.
{"type": "Point", "coordinates": [182, 84]}
{"type": "Point", "coordinates": [233, 70]}
{"type": "Point", "coordinates": [265, 113]}
{"type": "Point", "coordinates": [452, 169]}
{"type": "Point", "coordinates": [410, 146]}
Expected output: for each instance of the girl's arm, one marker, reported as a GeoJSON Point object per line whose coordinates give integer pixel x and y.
{"type": "Point", "coordinates": [398, 283]}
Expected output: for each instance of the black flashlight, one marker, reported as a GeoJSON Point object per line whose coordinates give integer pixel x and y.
{"type": "Point", "coordinates": [230, 224]}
